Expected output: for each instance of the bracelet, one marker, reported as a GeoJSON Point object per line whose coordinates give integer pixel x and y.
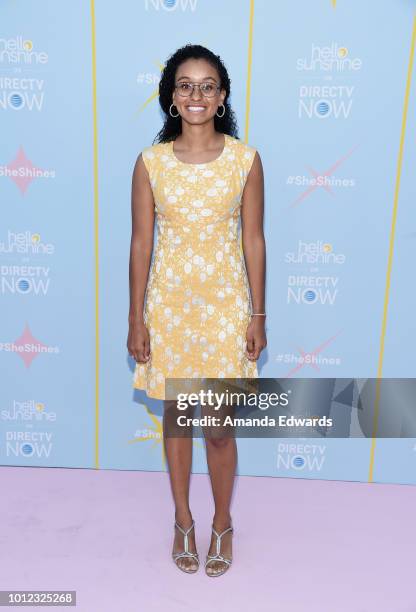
{"type": "Point", "coordinates": [258, 314]}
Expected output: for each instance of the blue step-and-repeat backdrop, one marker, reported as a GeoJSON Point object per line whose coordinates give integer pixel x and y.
{"type": "Point", "coordinates": [325, 90]}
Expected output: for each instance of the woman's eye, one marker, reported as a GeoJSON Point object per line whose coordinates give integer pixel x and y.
{"type": "Point", "coordinates": [207, 88]}
{"type": "Point", "coordinates": [185, 86]}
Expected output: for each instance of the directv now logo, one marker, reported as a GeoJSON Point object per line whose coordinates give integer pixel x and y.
{"type": "Point", "coordinates": [300, 457]}
{"type": "Point", "coordinates": [170, 5]}
{"type": "Point", "coordinates": [323, 101]}
{"type": "Point", "coordinates": [312, 289]}
{"type": "Point", "coordinates": [19, 92]}
{"type": "Point", "coordinates": [28, 444]}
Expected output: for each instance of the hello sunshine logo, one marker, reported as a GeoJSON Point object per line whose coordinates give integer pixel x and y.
{"type": "Point", "coordinates": [21, 50]}
{"type": "Point", "coordinates": [330, 58]}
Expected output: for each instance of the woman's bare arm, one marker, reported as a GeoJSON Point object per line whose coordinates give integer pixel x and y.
{"type": "Point", "coordinates": [141, 246]}
{"type": "Point", "coordinates": [254, 248]}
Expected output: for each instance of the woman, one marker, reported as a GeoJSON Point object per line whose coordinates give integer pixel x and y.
{"type": "Point", "coordinates": [205, 300]}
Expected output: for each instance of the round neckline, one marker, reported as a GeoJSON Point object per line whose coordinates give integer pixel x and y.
{"type": "Point", "coordinates": [200, 163]}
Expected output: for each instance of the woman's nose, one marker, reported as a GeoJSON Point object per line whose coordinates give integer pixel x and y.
{"type": "Point", "coordinates": [198, 95]}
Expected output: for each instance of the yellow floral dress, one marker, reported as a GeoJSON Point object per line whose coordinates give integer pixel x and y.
{"type": "Point", "coordinates": [197, 305]}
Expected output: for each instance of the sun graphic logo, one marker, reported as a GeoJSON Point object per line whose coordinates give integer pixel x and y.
{"type": "Point", "coordinates": [35, 238]}
{"type": "Point", "coordinates": [327, 248]}
{"type": "Point", "coordinates": [342, 52]}
{"type": "Point", "coordinates": [27, 45]}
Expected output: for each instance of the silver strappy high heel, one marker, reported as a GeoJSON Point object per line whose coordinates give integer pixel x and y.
{"type": "Point", "coordinates": [186, 552]}
{"type": "Point", "coordinates": [218, 556]}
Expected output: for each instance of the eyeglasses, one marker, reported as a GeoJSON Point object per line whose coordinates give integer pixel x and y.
{"type": "Point", "coordinates": [186, 89]}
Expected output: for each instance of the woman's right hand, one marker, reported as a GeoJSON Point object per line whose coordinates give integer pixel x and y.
{"type": "Point", "coordinates": [138, 341]}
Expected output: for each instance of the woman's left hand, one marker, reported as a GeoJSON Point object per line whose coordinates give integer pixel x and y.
{"type": "Point", "coordinates": [255, 337]}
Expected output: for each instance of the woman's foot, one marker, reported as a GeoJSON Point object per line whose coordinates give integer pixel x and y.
{"type": "Point", "coordinates": [185, 530]}
{"type": "Point", "coordinates": [223, 550]}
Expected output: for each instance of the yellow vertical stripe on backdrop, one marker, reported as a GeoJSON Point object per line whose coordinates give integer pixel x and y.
{"type": "Point", "coordinates": [248, 82]}
{"type": "Point", "coordinates": [391, 246]}
{"type": "Point", "coordinates": [249, 62]}
{"type": "Point", "coordinates": [96, 251]}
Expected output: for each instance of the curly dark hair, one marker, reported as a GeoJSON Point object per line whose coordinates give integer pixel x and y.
{"type": "Point", "coordinates": [172, 126]}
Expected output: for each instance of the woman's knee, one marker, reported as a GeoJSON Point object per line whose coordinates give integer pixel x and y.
{"type": "Point", "coordinates": [218, 442]}
{"type": "Point", "coordinates": [171, 413]}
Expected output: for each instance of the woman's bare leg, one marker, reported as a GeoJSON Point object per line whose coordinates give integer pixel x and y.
{"type": "Point", "coordinates": [222, 463]}
{"type": "Point", "coordinates": [179, 457]}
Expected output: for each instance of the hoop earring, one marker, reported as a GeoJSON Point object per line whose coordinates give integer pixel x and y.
{"type": "Point", "coordinates": [222, 113]}
{"type": "Point", "coordinates": [170, 111]}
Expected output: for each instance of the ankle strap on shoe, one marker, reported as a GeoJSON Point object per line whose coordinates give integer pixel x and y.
{"type": "Point", "coordinates": [219, 537]}
{"type": "Point", "coordinates": [185, 534]}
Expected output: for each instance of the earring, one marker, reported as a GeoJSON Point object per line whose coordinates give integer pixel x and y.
{"type": "Point", "coordinates": [223, 111]}
{"type": "Point", "coordinates": [170, 111]}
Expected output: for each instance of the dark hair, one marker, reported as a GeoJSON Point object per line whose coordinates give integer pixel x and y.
{"type": "Point", "coordinates": [172, 126]}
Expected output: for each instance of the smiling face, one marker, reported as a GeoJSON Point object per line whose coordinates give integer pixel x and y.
{"type": "Point", "coordinates": [197, 108]}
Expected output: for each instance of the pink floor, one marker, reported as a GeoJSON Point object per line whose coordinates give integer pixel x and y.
{"type": "Point", "coordinates": [299, 545]}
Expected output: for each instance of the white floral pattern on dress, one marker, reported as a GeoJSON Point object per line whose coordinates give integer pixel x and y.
{"type": "Point", "coordinates": [197, 305]}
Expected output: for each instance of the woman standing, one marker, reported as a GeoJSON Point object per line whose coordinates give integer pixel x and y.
{"type": "Point", "coordinates": [204, 313]}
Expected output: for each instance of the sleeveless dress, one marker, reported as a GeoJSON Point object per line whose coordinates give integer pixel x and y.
{"type": "Point", "coordinates": [197, 303]}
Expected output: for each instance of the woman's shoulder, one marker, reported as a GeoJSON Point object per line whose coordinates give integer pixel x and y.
{"type": "Point", "coordinates": [152, 156]}
{"type": "Point", "coordinates": [243, 148]}
{"type": "Point", "coordinates": [244, 151]}
{"type": "Point", "coordinates": [153, 151]}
